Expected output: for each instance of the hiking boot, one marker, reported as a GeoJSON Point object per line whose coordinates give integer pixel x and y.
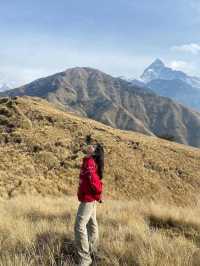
{"type": "Point", "coordinates": [84, 263]}
{"type": "Point", "coordinates": [98, 257]}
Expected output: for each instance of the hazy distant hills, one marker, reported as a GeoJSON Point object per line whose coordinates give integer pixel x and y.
{"type": "Point", "coordinates": [4, 87]}
{"type": "Point", "coordinates": [178, 90]}
{"type": "Point", "coordinates": [116, 102]}
{"type": "Point", "coordinates": [172, 83]}
{"type": "Point", "coordinates": [4, 84]}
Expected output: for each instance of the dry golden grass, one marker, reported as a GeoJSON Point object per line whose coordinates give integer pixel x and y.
{"type": "Point", "coordinates": [151, 212]}
{"type": "Point", "coordinates": [39, 231]}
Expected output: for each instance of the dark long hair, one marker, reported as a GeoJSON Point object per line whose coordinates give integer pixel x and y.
{"type": "Point", "coordinates": [99, 159]}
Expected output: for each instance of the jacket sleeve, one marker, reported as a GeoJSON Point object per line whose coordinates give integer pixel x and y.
{"type": "Point", "coordinates": [95, 182]}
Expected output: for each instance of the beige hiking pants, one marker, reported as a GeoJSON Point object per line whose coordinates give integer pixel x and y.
{"type": "Point", "coordinates": [86, 231]}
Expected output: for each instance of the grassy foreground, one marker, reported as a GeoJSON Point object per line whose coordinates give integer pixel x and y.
{"type": "Point", "coordinates": [39, 231]}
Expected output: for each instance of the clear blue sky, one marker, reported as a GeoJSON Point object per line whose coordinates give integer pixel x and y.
{"type": "Point", "coordinates": [120, 37]}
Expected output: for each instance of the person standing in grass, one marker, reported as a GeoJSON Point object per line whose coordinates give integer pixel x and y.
{"type": "Point", "coordinates": [89, 192]}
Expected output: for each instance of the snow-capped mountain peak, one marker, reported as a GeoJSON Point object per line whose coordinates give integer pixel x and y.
{"type": "Point", "coordinates": [171, 83]}
{"type": "Point", "coordinates": [153, 71]}
{"type": "Point", "coordinates": [158, 70]}
{"type": "Point", "coordinates": [158, 63]}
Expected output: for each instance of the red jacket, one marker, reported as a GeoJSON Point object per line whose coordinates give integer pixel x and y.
{"type": "Point", "coordinates": [90, 185]}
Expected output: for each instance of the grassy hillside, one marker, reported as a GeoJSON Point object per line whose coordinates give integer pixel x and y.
{"type": "Point", "coordinates": [40, 153]}
{"type": "Point", "coordinates": [150, 215]}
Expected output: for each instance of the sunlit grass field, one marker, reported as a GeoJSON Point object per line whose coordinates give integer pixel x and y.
{"type": "Point", "coordinates": [39, 231]}
{"type": "Point", "coordinates": [150, 215]}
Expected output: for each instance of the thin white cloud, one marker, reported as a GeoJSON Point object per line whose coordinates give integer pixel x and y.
{"type": "Point", "coordinates": [193, 48]}
{"type": "Point", "coordinates": [188, 67]}
{"type": "Point", "coordinates": [178, 65]}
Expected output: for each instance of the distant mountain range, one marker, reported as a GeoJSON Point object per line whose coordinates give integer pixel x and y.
{"type": "Point", "coordinates": [116, 102]}
{"type": "Point", "coordinates": [172, 83]}
{"type": "Point", "coordinates": [3, 83]}
{"type": "Point", "coordinates": [4, 87]}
